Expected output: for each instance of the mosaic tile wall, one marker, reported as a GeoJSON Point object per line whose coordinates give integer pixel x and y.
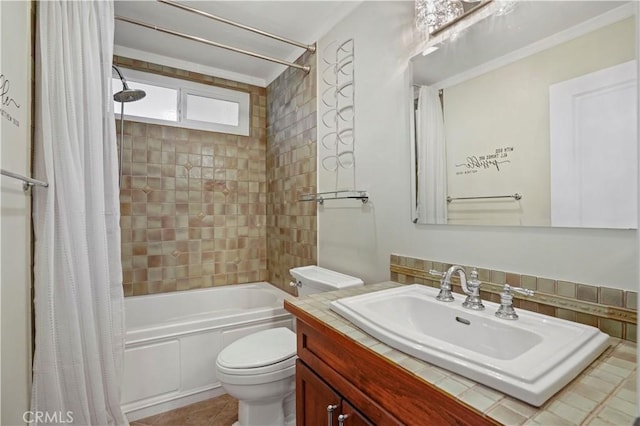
{"type": "Point", "coordinates": [613, 311]}
{"type": "Point", "coordinates": [193, 202]}
{"type": "Point", "coordinates": [291, 171]}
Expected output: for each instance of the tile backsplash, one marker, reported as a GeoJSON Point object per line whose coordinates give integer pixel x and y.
{"type": "Point", "coordinates": [193, 203]}
{"type": "Point", "coordinates": [613, 311]}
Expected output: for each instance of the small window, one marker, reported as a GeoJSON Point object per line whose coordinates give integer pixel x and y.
{"type": "Point", "coordinates": [211, 110]}
{"type": "Point", "coordinates": [174, 102]}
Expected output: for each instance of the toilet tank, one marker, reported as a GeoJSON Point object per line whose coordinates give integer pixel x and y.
{"type": "Point", "coordinates": [315, 279]}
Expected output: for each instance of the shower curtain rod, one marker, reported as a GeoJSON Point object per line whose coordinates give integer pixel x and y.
{"type": "Point", "coordinates": [311, 48]}
{"type": "Point", "coordinates": [304, 68]}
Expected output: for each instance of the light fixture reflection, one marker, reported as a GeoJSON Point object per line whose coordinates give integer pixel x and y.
{"type": "Point", "coordinates": [433, 14]}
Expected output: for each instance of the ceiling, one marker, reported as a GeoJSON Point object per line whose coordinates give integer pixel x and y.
{"type": "Point", "coordinates": [302, 21]}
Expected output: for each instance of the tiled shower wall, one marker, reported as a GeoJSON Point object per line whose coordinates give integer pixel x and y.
{"type": "Point", "coordinates": [193, 203]}
{"type": "Point", "coordinates": [291, 171]}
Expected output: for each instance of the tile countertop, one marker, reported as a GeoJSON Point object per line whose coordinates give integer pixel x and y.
{"type": "Point", "coordinates": [603, 394]}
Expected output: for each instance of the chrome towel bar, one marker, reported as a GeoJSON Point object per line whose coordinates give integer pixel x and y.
{"type": "Point", "coordinates": [515, 196]}
{"type": "Point", "coordinates": [321, 197]}
{"type": "Point", "coordinates": [27, 181]}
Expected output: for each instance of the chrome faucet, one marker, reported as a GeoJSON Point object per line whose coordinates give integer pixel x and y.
{"type": "Point", "coordinates": [506, 311]}
{"type": "Point", "coordinates": [471, 287]}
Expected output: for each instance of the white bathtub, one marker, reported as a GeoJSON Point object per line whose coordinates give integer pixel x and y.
{"type": "Point", "coordinates": [173, 339]}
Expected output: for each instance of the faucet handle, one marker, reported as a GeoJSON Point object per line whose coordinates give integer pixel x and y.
{"type": "Point", "coordinates": [524, 291]}
{"type": "Point", "coordinates": [506, 311]}
{"type": "Point", "coordinates": [437, 273]}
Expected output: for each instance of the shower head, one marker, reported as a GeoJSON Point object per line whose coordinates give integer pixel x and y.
{"type": "Point", "coordinates": [127, 94]}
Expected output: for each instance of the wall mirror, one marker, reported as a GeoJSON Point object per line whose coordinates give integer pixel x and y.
{"type": "Point", "coordinates": [529, 117]}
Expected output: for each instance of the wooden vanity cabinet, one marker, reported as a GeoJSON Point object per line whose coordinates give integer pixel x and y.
{"type": "Point", "coordinates": [370, 389]}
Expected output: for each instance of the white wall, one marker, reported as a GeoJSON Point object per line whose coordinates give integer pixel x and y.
{"type": "Point", "coordinates": [15, 212]}
{"type": "Point", "coordinates": [358, 239]}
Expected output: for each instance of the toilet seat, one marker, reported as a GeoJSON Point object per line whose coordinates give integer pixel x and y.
{"type": "Point", "coordinates": [271, 368]}
{"type": "Point", "coordinates": [256, 379]}
{"type": "Point", "coordinates": [259, 353]}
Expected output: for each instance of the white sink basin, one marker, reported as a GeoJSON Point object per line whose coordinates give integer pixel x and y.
{"type": "Point", "coordinates": [529, 359]}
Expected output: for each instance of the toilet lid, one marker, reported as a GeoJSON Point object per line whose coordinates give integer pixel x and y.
{"type": "Point", "coordinates": [259, 349]}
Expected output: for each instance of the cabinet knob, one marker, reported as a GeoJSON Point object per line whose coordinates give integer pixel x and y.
{"type": "Point", "coordinates": [330, 410]}
{"type": "Point", "coordinates": [342, 418]}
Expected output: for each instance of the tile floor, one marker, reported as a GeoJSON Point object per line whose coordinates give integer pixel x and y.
{"type": "Point", "coordinates": [220, 411]}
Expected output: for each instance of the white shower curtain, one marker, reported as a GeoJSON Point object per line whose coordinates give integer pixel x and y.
{"type": "Point", "coordinates": [432, 173]}
{"type": "Point", "coordinates": [79, 316]}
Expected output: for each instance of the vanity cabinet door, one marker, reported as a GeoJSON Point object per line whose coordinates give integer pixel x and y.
{"type": "Point", "coordinates": [313, 397]}
{"type": "Point", "coordinates": [353, 416]}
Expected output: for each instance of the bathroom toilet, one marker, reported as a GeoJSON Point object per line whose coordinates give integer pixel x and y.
{"type": "Point", "coordinates": [259, 370]}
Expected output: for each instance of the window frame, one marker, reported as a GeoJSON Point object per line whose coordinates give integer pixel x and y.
{"type": "Point", "coordinates": [185, 88]}
{"type": "Point", "coordinates": [243, 110]}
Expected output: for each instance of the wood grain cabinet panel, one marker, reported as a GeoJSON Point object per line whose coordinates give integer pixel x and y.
{"type": "Point", "coordinates": [353, 417]}
{"type": "Point", "coordinates": [313, 398]}
{"type": "Point", "coordinates": [318, 404]}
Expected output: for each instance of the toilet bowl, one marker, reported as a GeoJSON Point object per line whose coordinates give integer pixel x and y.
{"type": "Point", "coordinates": [259, 370]}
